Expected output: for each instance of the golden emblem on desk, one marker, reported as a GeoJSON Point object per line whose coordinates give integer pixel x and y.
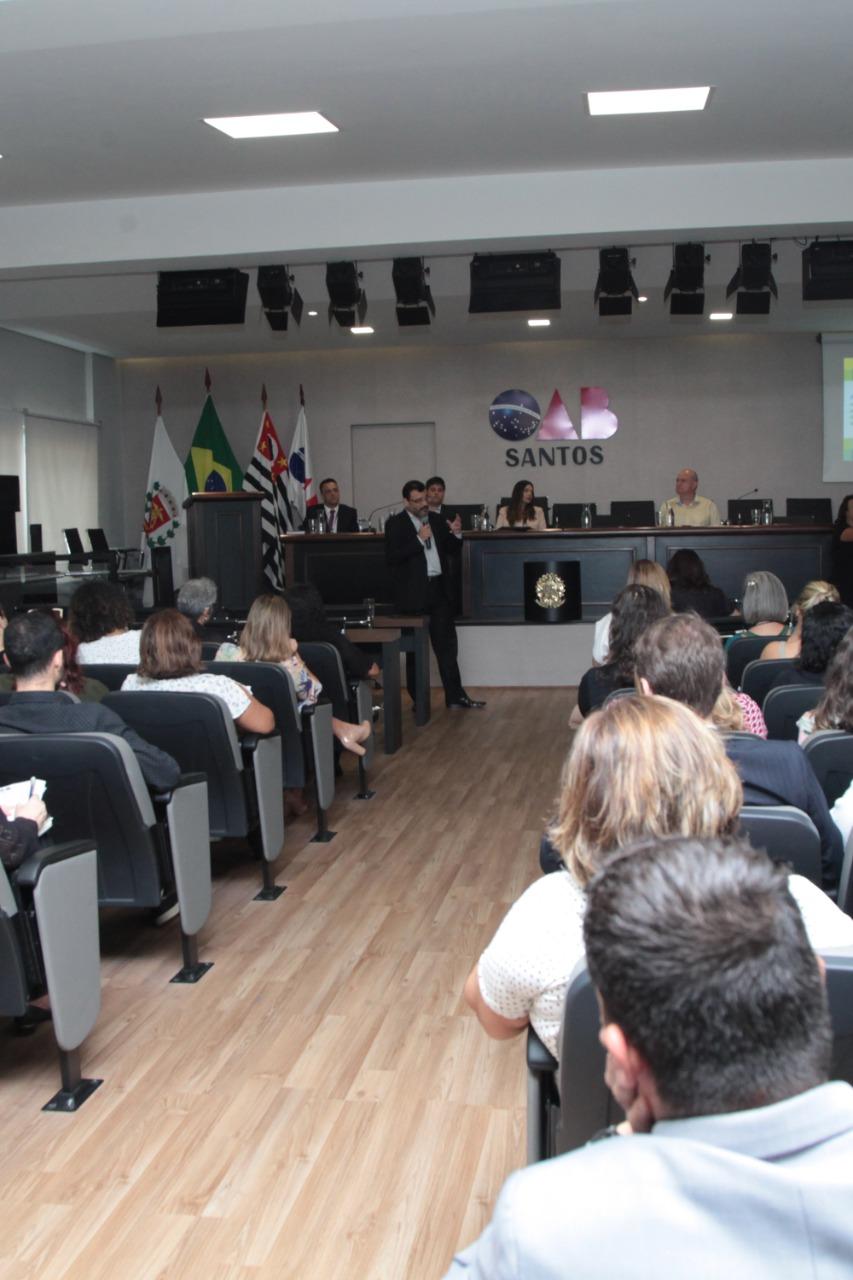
{"type": "Point", "coordinates": [550, 591]}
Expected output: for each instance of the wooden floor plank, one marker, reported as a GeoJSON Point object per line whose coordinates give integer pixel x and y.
{"type": "Point", "coordinates": [322, 1105]}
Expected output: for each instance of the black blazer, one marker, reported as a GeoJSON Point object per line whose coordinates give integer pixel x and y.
{"type": "Point", "coordinates": [404, 555]}
{"type": "Point", "coordinates": [346, 522]}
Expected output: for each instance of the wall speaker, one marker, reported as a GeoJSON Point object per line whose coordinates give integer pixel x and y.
{"type": "Point", "coordinates": [514, 282]}
{"type": "Point", "coordinates": [201, 297]}
{"type": "Point", "coordinates": [828, 270]}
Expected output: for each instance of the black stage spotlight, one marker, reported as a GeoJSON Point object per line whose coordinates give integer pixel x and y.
{"type": "Point", "coordinates": [615, 284]}
{"type": "Point", "coordinates": [754, 277]}
{"type": "Point", "coordinates": [828, 270]}
{"type": "Point", "coordinates": [279, 296]}
{"type": "Point", "coordinates": [414, 296]}
{"type": "Point", "coordinates": [347, 299]}
{"type": "Point", "coordinates": [686, 280]}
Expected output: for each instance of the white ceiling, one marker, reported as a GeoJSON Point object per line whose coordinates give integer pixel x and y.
{"type": "Point", "coordinates": [462, 127]}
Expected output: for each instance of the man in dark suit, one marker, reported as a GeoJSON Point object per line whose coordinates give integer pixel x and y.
{"type": "Point", "coordinates": [339, 517]}
{"type": "Point", "coordinates": [418, 546]}
{"type": "Point", "coordinates": [681, 657]}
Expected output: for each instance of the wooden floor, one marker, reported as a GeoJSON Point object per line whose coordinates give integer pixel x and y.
{"type": "Point", "coordinates": [321, 1104]}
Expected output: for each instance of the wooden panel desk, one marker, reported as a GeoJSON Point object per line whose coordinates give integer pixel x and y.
{"type": "Point", "coordinates": [387, 639]}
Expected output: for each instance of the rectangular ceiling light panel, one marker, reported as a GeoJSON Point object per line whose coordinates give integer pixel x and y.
{"type": "Point", "coordinates": [626, 102]}
{"type": "Point", "coordinates": [275, 126]}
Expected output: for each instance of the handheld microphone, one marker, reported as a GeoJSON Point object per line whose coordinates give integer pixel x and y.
{"type": "Point", "coordinates": [748, 494]}
{"type": "Point", "coordinates": [427, 541]}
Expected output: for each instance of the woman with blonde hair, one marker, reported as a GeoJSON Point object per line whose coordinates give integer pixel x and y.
{"type": "Point", "coordinates": [642, 573]}
{"type": "Point", "coordinates": [814, 592]}
{"type": "Point", "coordinates": [641, 766]}
{"type": "Point", "coordinates": [266, 638]}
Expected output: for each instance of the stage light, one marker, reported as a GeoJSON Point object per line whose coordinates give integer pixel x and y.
{"type": "Point", "coordinates": [686, 283]}
{"type": "Point", "coordinates": [278, 297]}
{"type": "Point", "coordinates": [754, 279]}
{"type": "Point", "coordinates": [615, 284]}
{"type": "Point", "coordinates": [414, 297]}
{"type": "Point", "coordinates": [828, 270]}
{"type": "Point", "coordinates": [347, 299]}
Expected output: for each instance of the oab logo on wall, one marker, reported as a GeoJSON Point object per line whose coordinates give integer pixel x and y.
{"type": "Point", "coordinates": [515, 415]}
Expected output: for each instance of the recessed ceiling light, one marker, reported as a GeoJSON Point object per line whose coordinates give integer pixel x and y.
{"type": "Point", "coordinates": [642, 298]}
{"type": "Point", "coordinates": [624, 102]}
{"type": "Point", "coordinates": [274, 126]}
{"type": "Point", "coordinates": [720, 315]}
{"type": "Point", "coordinates": [312, 313]}
{"type": "Point", "coordinates": [361, 329]}
{"type": "Point", "coordinates": [539, 324]}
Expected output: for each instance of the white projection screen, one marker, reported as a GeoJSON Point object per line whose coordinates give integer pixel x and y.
{"type": "Point", "coordinates": [837, 351]}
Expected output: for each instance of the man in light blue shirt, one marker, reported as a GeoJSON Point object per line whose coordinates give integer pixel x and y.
{"type": "Point", "coordinates": [739, 1157]}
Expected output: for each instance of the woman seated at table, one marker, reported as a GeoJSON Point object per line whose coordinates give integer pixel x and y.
{"type": "Point", "coordinates": [813, 593]}
{"type": "Point", "coordinates": [642, 766]}
{"type": "Point", "coordinates": [634, 609]}
{"type": "Point", "coordinates": [266, 638]}
{"type": "Point", "coordinates": [764, 608]}
{"type": "Point", "coordinates": [170, 662]}
{"type": "Point", "coordinates": [692, 588]}
{"type": "Point", "coordinates": [521, 512]}
{"type": "Point", "coordinates": [101, 617]}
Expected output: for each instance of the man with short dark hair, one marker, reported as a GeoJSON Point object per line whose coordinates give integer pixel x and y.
{"type": "Point", "coordinates": [339, 517]}
{"type": "Point", "coordinates": [418, 546]}
{"type": "Point", "coordinates": [681, 657]}
{"type": "Point", "coordinates": [435, 490]}
{"type": "Point", "coordinates": [739, 1156]}
{"type": "Point", "coordinates": [33, 644]}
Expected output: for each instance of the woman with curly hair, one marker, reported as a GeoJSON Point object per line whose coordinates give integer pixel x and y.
{"type": "Point", "coordinates": [643, 573]}
{"type": "Point", "coordinates": [824, 626]}
{"type": "Point", "coordinates": [634, 609]}
{"type": "Point", "coordinates": [101, 618]}
{"type": "Point", "coordinates": [835, 709]}
{"type": "Point", "coordinates": [641, 766]}
{"type": "Point", "coordinates": [814, 592]}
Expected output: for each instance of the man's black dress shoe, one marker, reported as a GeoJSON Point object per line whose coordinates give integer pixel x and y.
{"type": "Point", "coordinates": [464, 703]}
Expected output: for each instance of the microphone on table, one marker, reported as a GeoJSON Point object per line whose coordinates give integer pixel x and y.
{"type": "Point", "coordinates": [748, 494]}
{"type": "Point", "coordinates": [387, 507]}
{"type": "Point", "coordinates": [427, 541]}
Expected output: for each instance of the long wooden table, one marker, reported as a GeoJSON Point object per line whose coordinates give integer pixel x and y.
{"type": "Point", "coordinates": [347, 569]}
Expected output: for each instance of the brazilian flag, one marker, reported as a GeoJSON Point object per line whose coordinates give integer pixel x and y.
{"type": "Point", "coordinates": [211, 466]}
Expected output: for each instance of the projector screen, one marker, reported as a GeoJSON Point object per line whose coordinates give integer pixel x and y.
{"type": "Point", "coordinates": [837, 350]}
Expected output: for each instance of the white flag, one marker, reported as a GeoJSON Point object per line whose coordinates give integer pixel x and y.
{"type": "Point", "coordinates": [164, 520]}
{"type": "Point", "coordinates": [301, 484]}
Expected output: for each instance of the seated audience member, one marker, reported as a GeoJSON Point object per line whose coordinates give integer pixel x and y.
{"type": "Point", "coordinates": [170, 662]}
{"type": "Point", "coordinates": [19, 831]}
{"type": "Point", "coordinates": [643, 573]}
{"type": "Point", "coordinates": [73, 680]}
{"type": "Point", "coordinates": [764, 607]}
{"type": "Point", "coordinates": [266, 638]}
{"type": "Point", "coordinates": [812, 593]}
{"type": "Point", "coordinates": [308, 622]}
{"type": "Point", "coordinates": [196, 600]}
{"type": "Point", "coordinates": [521, 512]}
{"type": "Point", "coordinates": [692, 588]}
{"type": "Point", "coordinates": [633, 770]}
{"type": "Point", "coordinates": [34, 651]}
{"type": "Point", "coordinates": [835, 709]}
{"type": "Point", "coordinates": [735, 712]}
{"type": "Point", "coordinates": [101, 618]}
{"type": "Point", "coordinates": [737, 1158]}
{"type": "Point", "coordinates": [634, 609]}
{"type": "Point", "coordinates": [824, 626]}
{"type": "Point", "coordinates": [681, 657]}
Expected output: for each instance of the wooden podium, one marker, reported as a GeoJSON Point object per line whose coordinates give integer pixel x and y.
{"type": "Point", "coordinates": [225, 544]}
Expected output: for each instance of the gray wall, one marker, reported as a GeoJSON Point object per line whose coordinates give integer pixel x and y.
{"type": "Point", "coordinates": [743, 410]}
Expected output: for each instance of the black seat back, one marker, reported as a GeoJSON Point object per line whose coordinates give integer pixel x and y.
{"type": "Point", "coordinates": [759, 674]}
{"type": "Point", "coordinates": [783, 708]}
{"type": "Point", "coordinates": [197, 730]}
{"type": "Point", "coordinates": [743, 649]}
{"type": "Point", "coordinates": [272, 686]}
{"type": "Point", "coordinates": [786, 834]}
{"type": "Point", "coordinates": [324, 661]}
{"type": "Point", "coordinates": [112, 674]}
{"type": "Point", "coordinates": [830, 754]}
{"type": "Point", "coordinates": [95, 791]}
{"type": "Point", "coordinates": [568, 515]}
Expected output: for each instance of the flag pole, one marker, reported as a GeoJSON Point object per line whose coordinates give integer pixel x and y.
{"type": "Point", "coordinates": [158, 400]}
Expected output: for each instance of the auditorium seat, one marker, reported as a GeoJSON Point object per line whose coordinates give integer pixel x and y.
{"type": "Point", "coordinates": [148, 848]}
{"type": "Point", "coordinates": [49, 944]}
{"type": "Point", "coordinates": [759, 674]}
{"type": "Point", "coordinates": [743, 649]}
{"type": "Point", "coordinates": [112, 674]}
{"type": "Point", "coordinates": [568, 515]}
{"type": "Point", "coordinates": [351, 699]}
{"type": "Point", "coordinates": [784, 706]}
{"type": "Point", "coordinates": [244, 798]}
{"type": "Point", "coordinates": [786, 834]}
{"type": "Point", "coordinates": [830, 754]}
